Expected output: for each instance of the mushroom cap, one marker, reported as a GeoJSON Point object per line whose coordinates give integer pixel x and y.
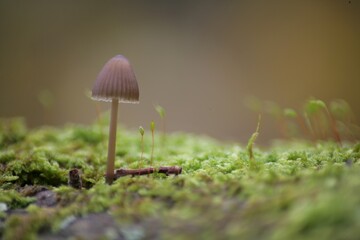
{"type": "Point", "coordinates": [116, 80]}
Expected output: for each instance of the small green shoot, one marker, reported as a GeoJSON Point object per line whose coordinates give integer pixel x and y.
{"type": "Point", "coordinates": [318, 111]}
{"type": "Point", "coordinates": [316, 121]}
{"type": "Point", "coordinates": [290, 113]}
{"type": "Point", "coordinates": [162, 113]}
{"type": "Point", "coordinates": [152, 128]}
{"type": "Point", "coordinates": [142, 132]}
{"type": "Point", "coordinates": [313, 106]}
{"type": "Point", "coordinates": [251, 142]}
{"type": "Point", "coordinates": [160, 110]}
{"type": "Point", "coordinates": [314, 117]}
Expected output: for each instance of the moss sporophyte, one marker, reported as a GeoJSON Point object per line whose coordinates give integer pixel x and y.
{"type": "Point", "coordinates": [161, 111]}
{"type": "Point", "coordinates": [316, 120]}
{"type": "Point", "coordinates": [142, 132]}
{"type": "Point", "coordinates": [152, 127]}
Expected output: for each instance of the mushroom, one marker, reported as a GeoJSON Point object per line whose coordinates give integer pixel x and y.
{"type": "Point", "coordinates": [115, 83]}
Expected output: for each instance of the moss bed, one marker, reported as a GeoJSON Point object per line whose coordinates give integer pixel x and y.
{"type": "Point", "coordinates": [291, 190]}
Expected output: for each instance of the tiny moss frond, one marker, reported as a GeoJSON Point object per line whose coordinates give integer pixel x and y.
{"type": "Point", "coordinates": [290, 113]}
{"type": "Point", "coordinates": [313, 106]}
{"type": "Point", "coordinates": [317, 120]}
{"type": "Point", "coordinates": [142, 132]}
{"type": "Point", "coordinates": [160, 110]}
{"type": "Point", "coordinates": [152, 127]}
{"type": "Point", "coordinates": [252, 140]}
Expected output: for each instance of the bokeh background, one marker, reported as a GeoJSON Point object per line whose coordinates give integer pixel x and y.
{"type": "Point", "coordinates": [197, 59]}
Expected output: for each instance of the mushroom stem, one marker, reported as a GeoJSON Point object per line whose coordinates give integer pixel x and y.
{"type": "Point", "coordinates": [112, 141]}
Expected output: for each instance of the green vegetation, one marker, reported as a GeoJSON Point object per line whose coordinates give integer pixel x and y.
{"type": "Point", "coordinates": [313, 121]}
{"type": "Point", "coordinates": [252, 140]}
{"type": "Point", "coordinates": [161, 111]}
{"type": "Point", "coordinates": [298, 190]}
{"type": "Point", "coordinates": [142, 132]}
{"type": "Point", "coordinates": [152, 128]}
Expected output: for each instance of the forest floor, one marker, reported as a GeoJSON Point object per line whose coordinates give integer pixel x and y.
{"type": "Point", "coordinates": [291, 190]}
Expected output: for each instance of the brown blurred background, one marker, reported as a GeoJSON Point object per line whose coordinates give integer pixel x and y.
{"type": "Point", "coordinates": [198, 59]}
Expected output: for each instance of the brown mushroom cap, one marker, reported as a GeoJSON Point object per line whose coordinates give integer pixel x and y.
{"type": "Point", "coordinates": [116, 80]}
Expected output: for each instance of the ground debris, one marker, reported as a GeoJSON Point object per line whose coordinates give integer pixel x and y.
{"type": "Point", "coordinates": [75, 178]}
{"type": "Point", "coordinates": [146, 171]}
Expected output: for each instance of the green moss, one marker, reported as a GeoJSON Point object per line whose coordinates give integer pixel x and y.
{"type": "Point", "coordinates": [14, 199]}
{"type": "Point", "coordinates": [11, 131]}
{"type": "Point", "coordinates": [299, 190]}
{"type": "Point", "coordinates": [7, 156]}
{"type": "Point", "coordinates": [37, 168]}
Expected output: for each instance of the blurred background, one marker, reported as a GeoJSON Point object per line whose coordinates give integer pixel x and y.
{"type": "Point", "coordinates": [198, 59]}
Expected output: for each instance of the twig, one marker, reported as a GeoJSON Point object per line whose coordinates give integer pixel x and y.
{"type": "Point", "coordinates": [133, 172]}
{"type": "Point", "coordinates": [146, 171]}
{"type": "Point", "coordinates": [170, 170]}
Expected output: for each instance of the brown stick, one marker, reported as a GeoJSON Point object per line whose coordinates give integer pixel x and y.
{"type": "Point", "coordinates": [170, 170]}
{"type": "Point", "coordinates": [146, 171]}
{"type": "Point", "coordinates": [133, 172]}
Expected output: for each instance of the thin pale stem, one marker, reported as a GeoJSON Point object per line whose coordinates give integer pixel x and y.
{"type": "Point", "coordinates": [163, 136]}
{"type": "Point", "coordinates": [112, 142]}
{"type": "Point", "coordinates": [310, 127]}
{"type": "Point", "coordinates": [152, 148]}
{"type": "Point", "coordinates": [302, 124]}
{"type": "Point", "coordinates": [142, 149]}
